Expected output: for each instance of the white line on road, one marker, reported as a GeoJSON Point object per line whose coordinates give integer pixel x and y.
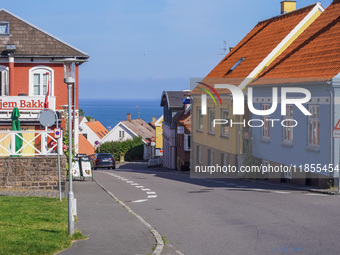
{"type": "Point", "coordinates": [281, 192]}
{"type": "Point", "coordinates": [146, 189]}
{"type": "Point", "coordinates": [129, 181]}
{"type": "Point", "coordinates": [134, 184]}
{"type": "Point", "coordinates": [152, 196]}
{"type": "Point", "coordinates": [151, 192]}
{"type": "Point", "coordinates": [139, 187]}
{"type": "Point", "coordinates": [139, 201]}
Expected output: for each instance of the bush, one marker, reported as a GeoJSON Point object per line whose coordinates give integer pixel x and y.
{"type": "Point", "coordinates": [131, 149]}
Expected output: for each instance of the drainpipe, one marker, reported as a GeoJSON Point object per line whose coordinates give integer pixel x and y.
{"type": "Point", "coordinates": [11, 74]}
{"type": "Point", "coordinates": [331, 131]}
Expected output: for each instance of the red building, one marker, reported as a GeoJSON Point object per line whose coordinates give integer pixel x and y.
{"type": "Point", "coordinates": [28, 68]}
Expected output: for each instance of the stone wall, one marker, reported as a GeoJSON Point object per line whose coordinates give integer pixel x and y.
{"type": "Point", "coordinates": [37, 176]}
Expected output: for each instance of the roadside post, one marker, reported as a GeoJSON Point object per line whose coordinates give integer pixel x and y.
{"type": "Point", "coordinates": [48, 118]}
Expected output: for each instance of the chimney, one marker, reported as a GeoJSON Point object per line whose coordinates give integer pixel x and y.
{"type": "Point", "coordinates": [288, 6]}
{"type": "Point", "coordinates": [92, 120]}
{"type": "Point", "coordinates": [128, 116]}
{"type": "Point", "coordinates": [230, 49]}
{"type": "Point", "coordinates": [154, 120]}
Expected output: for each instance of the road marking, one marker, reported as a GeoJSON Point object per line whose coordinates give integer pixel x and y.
{"type": "Point", "coordinates": [139, 201]}
{"type": "Point", "coordinates": [152, 196]}
{"type": "Point", "coordinates": [134, 184]}
{"type": "Point", "coordinates": [281, 192]}
{"type": "Point", "coordinates": [151, 192]}
{"type": "Point", "coordinates": [146, 189]}
{"type": "Point", "coordinates": [139, 187]}
{"type": "Point", "coordinates": [129, 181]}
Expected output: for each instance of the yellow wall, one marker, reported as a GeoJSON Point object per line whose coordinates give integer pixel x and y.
{"type": "Point", "coordinates": [5, 142]}
{"type": "Point", "coordinates": [159, 136]}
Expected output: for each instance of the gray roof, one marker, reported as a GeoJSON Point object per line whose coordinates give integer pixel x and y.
{"type": "Point", "coordinates": [174, 99]}
{"type": "Point", "coordinates": [31, 41]}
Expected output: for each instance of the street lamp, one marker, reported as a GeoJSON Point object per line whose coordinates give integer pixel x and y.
{"type": "Point", "coordinates": [69, 79]}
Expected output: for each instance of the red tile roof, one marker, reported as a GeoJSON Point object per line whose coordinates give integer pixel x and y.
{"type": "Point", "coordinates": [254, 47]}
{"type": "Point", "coordinates": [97, 128]}
{"type": "Point", "coordinates": [85, 147]}
{"type": "Point", "coordinates": [313, 56]}
{"type": "Point", "coordinates": [184, 119]}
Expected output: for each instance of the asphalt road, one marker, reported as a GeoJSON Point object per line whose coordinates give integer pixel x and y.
{"type": "Point", "coordinates": [208, 217]}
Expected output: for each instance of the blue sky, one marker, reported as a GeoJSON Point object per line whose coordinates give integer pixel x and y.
{"type": "Point", "coordinates": [138, 48]}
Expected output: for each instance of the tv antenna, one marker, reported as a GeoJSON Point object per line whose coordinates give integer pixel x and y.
{"type": "Point", "coordinates": [224, 49]}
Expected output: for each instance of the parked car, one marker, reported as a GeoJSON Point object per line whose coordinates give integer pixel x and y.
{"type": "Point", "coordinates": [101, 160]}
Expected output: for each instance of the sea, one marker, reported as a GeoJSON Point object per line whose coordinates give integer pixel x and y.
{"type": "Point", "coordinates": [111, 111]}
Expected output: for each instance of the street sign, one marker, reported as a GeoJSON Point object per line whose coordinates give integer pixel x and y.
{"type": "Point", "coordinates": [47, 117]}
{"type": "Point", "coordinates": [153, 144]}
{"type": "Point", "coordinates": [57, 133]}
{"type": "Point", "coordinates": [336, 130]}
{"type": "Point", "coordinates": [153, 139]}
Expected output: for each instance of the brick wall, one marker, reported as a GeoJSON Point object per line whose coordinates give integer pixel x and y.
{"type": "Point", "coordinates": [31, 175]}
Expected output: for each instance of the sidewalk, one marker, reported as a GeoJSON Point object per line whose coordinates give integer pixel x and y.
{"type": "Point", "coordinates": [109, 227]}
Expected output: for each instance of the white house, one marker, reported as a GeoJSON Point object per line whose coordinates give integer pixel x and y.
{"type": "Point", "coordinates": [128, 129]}
{"type": "Point", "coordinates": [92, 130]}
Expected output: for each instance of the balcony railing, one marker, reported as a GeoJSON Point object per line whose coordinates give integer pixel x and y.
{"type": "Point", "coordinates": [34, 143]}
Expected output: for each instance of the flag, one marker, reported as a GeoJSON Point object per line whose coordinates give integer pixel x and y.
{"type": "Point", "coordinates": [46, 103]}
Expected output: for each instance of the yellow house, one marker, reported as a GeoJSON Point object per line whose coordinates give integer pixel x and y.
{"type": "Point", "coordinates": [159, 136]}
{"type": "Point", "coordinates": [226, 144]}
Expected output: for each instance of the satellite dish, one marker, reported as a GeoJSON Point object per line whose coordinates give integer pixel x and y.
{"type": "Point", "coordinates": [47, 117]}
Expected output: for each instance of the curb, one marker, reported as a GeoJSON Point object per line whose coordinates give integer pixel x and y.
{"type": "Point", "coordinates": [158, 237]}
{"type": "Point", "coordinates": [294, 187]}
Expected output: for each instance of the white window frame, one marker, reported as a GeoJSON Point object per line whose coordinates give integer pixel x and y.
{"type": "Point", "coordinates": [187, 145]}
{"type": "Point", "coordinates": [225, 126]}
{"type": "Point", "coordinates": [4, 72]}
{"type": "Point", "coordinates": [314, 134]}
{"type": "Point", "coordinates": [7, 24]}
{"type": "Point", "coordinates": [266, 124]}
{"type": "Point", "coordinates": [41, 70]}
{"type": "Point", "coordinates": [121, 134]}
{"type": "Point", "coordinates": [288, 131]}
{"type": "Point", "coordinates": [199, 119]}
{"type": "Point", "coordinates": [211, 121]}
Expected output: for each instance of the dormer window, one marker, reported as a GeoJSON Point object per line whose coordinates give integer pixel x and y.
{"type": "Point", "coordinates": [236, 65]}
{"type": "Point", "coordinates": [4, 28]}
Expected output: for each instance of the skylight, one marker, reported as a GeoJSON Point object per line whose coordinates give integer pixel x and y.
{"type": "Point", "coordinates": [236, 65]}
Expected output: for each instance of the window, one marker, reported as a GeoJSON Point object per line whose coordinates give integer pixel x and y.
{"type": "Point", "coordinates": [236, 65]}
{"type": "Point", "coordinates": [121, 134]}
{"type": "Point", "coordinates": [224, 159]}
{"type": "Point", "coordinates": [199, 119]}
{"type": "Point", "coordinates": [39, 81]}
{"type": "Point", "coordinates": [85, 135]}
{"type": "Point", "coordinates": [314, 126]}
{"type": "Point", "coordinates": [210, 157]}
{"type": "Point", "coordinates": [3, 81]}
{"type": "Point", "coordinates": [288, 131]}
{"type": "Point", "coordinates": [198, 155]}
{"type": "Point", "coordinates": [266, 125]}
{"type": "Point", "coordinates": [225, 127]}
{"type": "Point", "coordinates": [187, 141]}
{"type": "Point", "coordinates": [211, 121]}
{"type": "Point", "coordinates": [4, 28]}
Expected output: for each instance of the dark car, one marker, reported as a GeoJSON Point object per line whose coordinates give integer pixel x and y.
{"type": "Point", "coordinates": [103, 160]}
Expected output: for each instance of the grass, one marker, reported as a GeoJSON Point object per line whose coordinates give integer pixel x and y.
{"type": "Point", "coordinates": [34, 225]}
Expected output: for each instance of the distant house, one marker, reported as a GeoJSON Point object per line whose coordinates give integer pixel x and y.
{"type": "Point", "coordinates": [130, 128]}
{"type": "Point", "coordinates": [183, 122]}
{"type": "Point", "coordinates": [92, 130]}
{"type": "Point", "coordinates": [85, 147]}
{"type": "Point", "coordinates": [159, 136]}
{"type": "Point", "coordinates": [172, 103]}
